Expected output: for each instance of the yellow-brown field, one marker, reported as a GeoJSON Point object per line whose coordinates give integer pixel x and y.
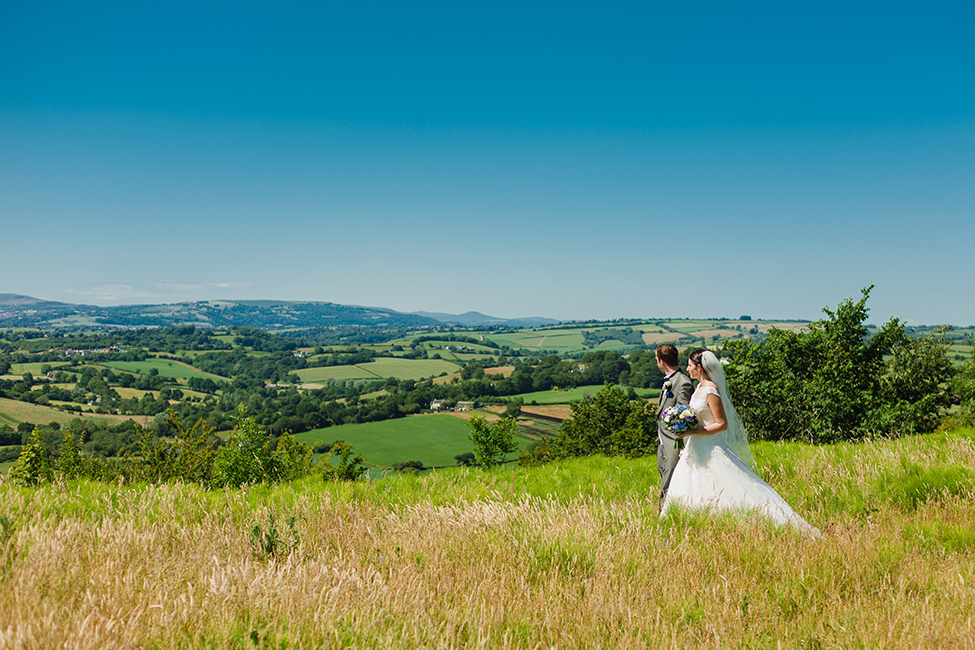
{"type": "Point", "coordinates": [27, 412]}
{"type": "Point", "coordinates": [570, 555]}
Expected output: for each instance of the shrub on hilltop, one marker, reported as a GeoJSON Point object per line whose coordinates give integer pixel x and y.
{"type": "Point", "coordinates": [607, 423]}
{"type": "Point", "coordinates": [838, 382]}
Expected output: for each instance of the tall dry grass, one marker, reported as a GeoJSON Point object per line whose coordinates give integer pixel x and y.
{"type": "Point", "coordinates": [567, 556]}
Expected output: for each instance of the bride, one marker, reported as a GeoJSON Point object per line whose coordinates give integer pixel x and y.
{"type": "Point", "coordinates": [714, 470]}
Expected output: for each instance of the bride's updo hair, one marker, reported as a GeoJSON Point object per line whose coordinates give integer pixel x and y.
{"type": "Point", "coordinates": [695, 356]}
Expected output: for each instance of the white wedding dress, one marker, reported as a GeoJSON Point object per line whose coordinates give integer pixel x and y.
{"type": "Point", "coordinates": [710, 475]}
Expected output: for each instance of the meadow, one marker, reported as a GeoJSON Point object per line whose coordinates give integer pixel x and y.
{"type": "Point", "coordinates": [569, 555]}
{"type": "Point", "coordinates": [569, 340]}
{"type": "Point", "coordinates": [564, 341]}
{"type": "Point", "coordinates": [432, 439]}
{"type": "Point", "coordinates": [34, 368]}
{"type": "Point", "coordinates": [568, 395]}
{"type": "Point", "coordinates": [165, 368]}
{"type": "Point", "coordinates": [379, 368]}
{"type": "Point", "coordinates": [13, 412]}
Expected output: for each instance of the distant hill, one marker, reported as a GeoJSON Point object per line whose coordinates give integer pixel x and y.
{"type": "Point", "coordinates": [477, 319]}
{"type": "Point", "coordinates": [12, 301]}
{"type": "Point", "coordinates": [24, 311]}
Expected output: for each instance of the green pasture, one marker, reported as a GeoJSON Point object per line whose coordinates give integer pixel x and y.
{"type": "Point", "coordinates": [432, 439]}
{"type": "Point", "coordinates": [959, 353]}
{"type": "Point", "coordinates": [570, 395]}
{"type": "Point", "coordinates": [689, 328]}
{"type": "Point", "coordinates": [8, 420]}
{"type": "Point", "coordinates": [612, 344]}
{"type": "Point", "coordinates": [380, 368]}
{"type": "Point", "coordinates": [463, 357]}
{"type": "Point", "coordinates": [165, 367]}
{"type": "Point", "coordinates": [336, 373]}
{"type": "Point", "coordinates": [438, 345]}
{"type": "Point", "coordinates": [76, 321]}
{"type": "Point", "coordinates": [648, 329]}
{"type": "Point", "coordinates": [34, 368]}
{"type": "Point", "coordinates": [566, 340]}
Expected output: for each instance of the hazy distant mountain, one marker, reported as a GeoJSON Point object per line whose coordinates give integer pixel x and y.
{"type": "Point", "coordinates": [16, 301]}
{"type": "Point", "coordinates": [477, 319]}
{"type": "Point", "coordinates": [24, 311]}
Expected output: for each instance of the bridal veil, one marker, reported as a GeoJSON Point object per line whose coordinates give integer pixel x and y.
{"type": "Point", "coordinates": [734, 436]}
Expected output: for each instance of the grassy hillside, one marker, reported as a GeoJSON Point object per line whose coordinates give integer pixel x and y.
{"type": "Point", "coordinates": [13, 412]}
{"type": "Point", "coordinates": [566, 396]}
{"type": "Point", "coordinates": [570, 555]}
{"type": "Point", "coordinates": [378, 369]}
{"type": "Point", "coordinates": [34, 368]}
{"type": "Point", "coordinates": [165, 368]}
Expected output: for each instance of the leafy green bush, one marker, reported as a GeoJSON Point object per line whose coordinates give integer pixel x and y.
{"type": "Point", "coordinates": [607, 423]}
{"type": "Point", "coordinates": [413, 466]}
{"type": "Point", "coordinates": [492, 442]}
{"type": "Point", "coordinates": [35, 462]}
{"type": "Point", "coordinates": [190, 455]}
{"type": "Point", "coordinates": [837, 381]}
{"type": "Point", "coordinates": [347, 469]}
{"type": "Point", "coordinates": [246, 458]}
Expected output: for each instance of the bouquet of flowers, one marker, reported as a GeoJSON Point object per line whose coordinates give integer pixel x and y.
{"type": "Point", "coordinates": [679, 419]}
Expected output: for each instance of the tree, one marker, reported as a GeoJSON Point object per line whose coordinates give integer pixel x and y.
{"type": "Point", "coordinates": [467, 459]}
{"type": "Point", "coordinates": [513, 409]}
{"type": "Point", "coordinates": [832, 382]}
{"type": "Point", "coordinates": [349, 468]}
{"type": "Point", "coordinates": [408, 466]}
{"type": "Point", "coordinates": [35, 464]}
{"type": "Point", "coordinates": [607, 423]}
{"type": "Point", "coordinates": [245, 458]}
{"type": "Point", "coordinates": [492, 442]}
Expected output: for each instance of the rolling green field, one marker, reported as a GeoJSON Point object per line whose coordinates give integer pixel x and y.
{"type": "Point", "coordinates": [165, 367]}
{"type": "Point", "coordinates": [687, 327]}
{"type": "Point", "coordinates": [569, 340]}
{"type": "Point", "coordinates": [959, 353]}
{"type": "Point", "coordinates": [561, 340]}
{"type": "Point", "coordinates": [439, 345]}
{"type": "Point", "coordinates": [432, 439]}
{"type": "Point", "coordinates": [572, 395]}
{"type": "Point", "coordinates": [463, 357]}
{"type": "Point", "coordinates": [34, 368]}
{"type": "Point", "coordinates": [335, 373]}
{"type": "Point", "coordinates": [381, 368]}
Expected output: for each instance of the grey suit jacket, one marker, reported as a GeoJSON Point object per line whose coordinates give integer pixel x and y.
{"type": "Point", "coordinates": [679, 393]}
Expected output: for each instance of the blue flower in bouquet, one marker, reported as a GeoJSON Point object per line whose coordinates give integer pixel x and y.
{"type": "Point", "coordinates": [678, 419]}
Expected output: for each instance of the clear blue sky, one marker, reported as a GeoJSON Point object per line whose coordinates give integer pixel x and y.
{"type": "Point", "coordinates": [567, 160]}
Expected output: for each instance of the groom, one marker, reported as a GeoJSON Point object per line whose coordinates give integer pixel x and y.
{"type": "Point", "coordinates": [677, 389]}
